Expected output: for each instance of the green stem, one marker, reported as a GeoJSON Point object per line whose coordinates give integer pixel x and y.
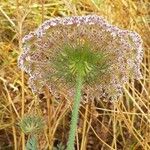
{"type": "Point", "coordinates": [32, 143]}
{"type": "Point", "coordinates": [75, 112]}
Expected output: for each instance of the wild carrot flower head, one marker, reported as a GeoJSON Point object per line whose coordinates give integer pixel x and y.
{"type": "Point", "coordinates": [31, 124]}
{"type": "Point", "coordinates": [62, 48]}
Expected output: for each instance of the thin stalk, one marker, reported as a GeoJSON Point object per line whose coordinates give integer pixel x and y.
{"type": "Point", "coordinates": [32, 143]}
{"type": "Point", "coordinates": [75, 112]}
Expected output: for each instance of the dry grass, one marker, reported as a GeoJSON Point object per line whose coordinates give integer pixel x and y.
{"type": "Point", "coordinates": [102, 126]}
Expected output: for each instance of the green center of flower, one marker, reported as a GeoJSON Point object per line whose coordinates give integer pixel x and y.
{"type": "Point", "coordinates": [80, 60]}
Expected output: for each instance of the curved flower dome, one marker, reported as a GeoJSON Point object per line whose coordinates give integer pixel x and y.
{"type": "Point", "coordinates": [59, 48]}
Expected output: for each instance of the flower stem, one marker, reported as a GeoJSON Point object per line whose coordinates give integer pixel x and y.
{"type": "Point", "coordinates": [75, 112]}
{"type": "Point", "coordinates": [32, 143]}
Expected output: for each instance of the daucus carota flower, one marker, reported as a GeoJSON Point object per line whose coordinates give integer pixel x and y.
{"type": "Point", "coordinates": [31, 124]}
{"type": "Point", "coordinates": [60, 48]}
{"type": "Point", "coordinates": [85, 51]}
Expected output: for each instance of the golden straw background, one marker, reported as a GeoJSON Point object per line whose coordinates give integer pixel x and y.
{"type": "Point", "coordinates": [102, 126]}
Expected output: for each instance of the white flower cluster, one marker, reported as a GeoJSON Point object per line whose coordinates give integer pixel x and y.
{"type": "Point", "coordinates": [42, 46]}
